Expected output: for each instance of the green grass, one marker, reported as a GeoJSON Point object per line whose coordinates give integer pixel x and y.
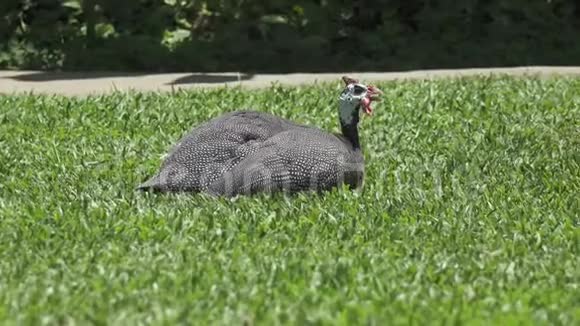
{"type": "Point", "coordinates": [470, 213]}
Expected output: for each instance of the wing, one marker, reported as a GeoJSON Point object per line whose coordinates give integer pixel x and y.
{"type": "Point", "coordinates": [294, 160]}
{"type": "Point", "coordinates": [213, 148]}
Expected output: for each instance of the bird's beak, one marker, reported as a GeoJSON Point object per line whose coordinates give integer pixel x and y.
{"type": "Point", "coordinates": [374, 93]}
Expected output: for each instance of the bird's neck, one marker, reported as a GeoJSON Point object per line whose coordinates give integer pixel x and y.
{"type": "Point", "coordinates": [349, 118]}
{"type": "Point", "coordinates": [351, 133]}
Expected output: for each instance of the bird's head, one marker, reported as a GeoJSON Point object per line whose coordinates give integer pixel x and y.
{"type": "Point", "coordinates": [356, 96]}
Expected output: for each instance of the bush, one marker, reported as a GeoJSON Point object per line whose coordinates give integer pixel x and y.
{"type": "Point", "coordinates": [282, 35]}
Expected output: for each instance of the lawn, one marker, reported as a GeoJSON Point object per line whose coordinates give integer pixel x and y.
{"type": "Point", "coordinates": [470, 212]}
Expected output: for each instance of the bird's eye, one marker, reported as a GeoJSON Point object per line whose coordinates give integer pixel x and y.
{"type": "Point", "coordinates": [358, 90]}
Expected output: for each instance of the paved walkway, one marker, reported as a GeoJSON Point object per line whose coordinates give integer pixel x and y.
{"type": "Point", "coordinates": [94, 83]}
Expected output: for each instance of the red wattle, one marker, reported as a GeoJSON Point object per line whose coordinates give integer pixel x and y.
{"type": "Point", "coordinates": [366, 104]}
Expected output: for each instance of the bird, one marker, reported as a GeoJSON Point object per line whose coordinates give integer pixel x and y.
{"type": "Point", "coordinates": [248, 152]}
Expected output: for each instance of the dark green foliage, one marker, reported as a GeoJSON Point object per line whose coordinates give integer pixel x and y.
{"type": "Point", "coordinates": [469, 216]}
{"type": "Point", "coordinates": [284, 36]}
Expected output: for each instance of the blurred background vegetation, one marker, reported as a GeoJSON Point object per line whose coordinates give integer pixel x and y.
{"type": "Point", "coordinates": [286, 35]}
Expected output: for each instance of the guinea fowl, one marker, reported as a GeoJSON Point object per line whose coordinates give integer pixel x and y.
{"type": "Point", "coordinates": [247, 152]}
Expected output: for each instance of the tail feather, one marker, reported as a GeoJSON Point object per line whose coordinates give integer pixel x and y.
{"type": "Point", "coordinates": [151, 184]}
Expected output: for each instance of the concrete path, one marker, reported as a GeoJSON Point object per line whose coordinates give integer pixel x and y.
{"type": "Point", "coordinates": [73, 84]}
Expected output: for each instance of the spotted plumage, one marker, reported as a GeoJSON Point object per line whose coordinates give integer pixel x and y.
{"type": "Point", "coordinates": [246, 152]}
